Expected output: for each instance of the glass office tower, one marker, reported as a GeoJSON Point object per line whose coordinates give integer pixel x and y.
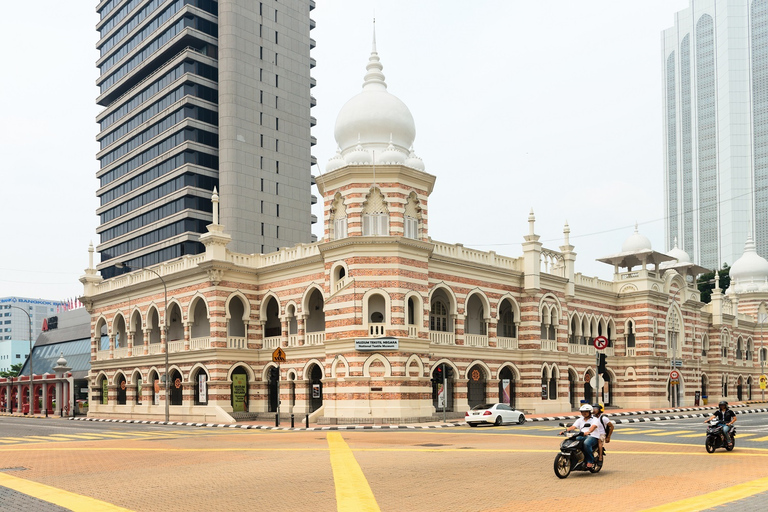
{"type": "Point", "coordinates": [715, 121]}
{"type": "Point", "coordinates": [200, 94]}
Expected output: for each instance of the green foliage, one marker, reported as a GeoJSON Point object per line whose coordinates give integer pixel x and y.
{"type": "Point", "coordinates": [13, 372]}
{"type": "Point", "coordinates": [706, 282]}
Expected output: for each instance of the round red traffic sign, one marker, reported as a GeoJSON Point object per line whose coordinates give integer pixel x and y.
{"type": "Point", "coordinates": [674, 375]}
{"type": "Point", "coordinates": [600, 342]}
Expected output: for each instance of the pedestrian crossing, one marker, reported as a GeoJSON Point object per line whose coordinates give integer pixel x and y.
{"type": "Point", "coordinates": [651, 433]}
{"type": "Point", "coordinates": [113, 435]}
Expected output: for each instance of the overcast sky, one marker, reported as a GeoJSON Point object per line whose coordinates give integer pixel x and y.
{"type": "Point", "coordinates": [554, 106]}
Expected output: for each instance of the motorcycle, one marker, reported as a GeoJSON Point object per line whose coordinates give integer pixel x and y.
{"type": "Point", "coordinates": [571, 456]}
{"type": "Point", "coordinates": [716, 437]}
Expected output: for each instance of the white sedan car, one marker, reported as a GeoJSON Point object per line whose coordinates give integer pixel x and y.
{"type": "Point", "coordinates": [493, 413]}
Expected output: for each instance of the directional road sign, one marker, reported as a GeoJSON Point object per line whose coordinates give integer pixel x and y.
{"type": "Point", "coordinates": [600, 342]}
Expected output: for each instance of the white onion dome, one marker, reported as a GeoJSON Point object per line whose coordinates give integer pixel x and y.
{"type": "Point", "coordinates": [749, 273]}
{"type": "Point", "coordinates": [335, 162]}
{"type": "Point", "coordinates": [391, 155]}
{"type": "Point", "coordinates": [679, 254]}
{"type": "Point", "coordinates": [414, 162]}
{"type": "Point", "coordinates": [636, 242]}
{"type": "Point", "coordinates": [374, 117]}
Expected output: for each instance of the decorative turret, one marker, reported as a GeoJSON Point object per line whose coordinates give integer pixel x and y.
{"type": "Point", "coordinates": [90, 279]}
{"type": "Point", "coordinates": [532, 256]}
{"type": "Point", "coordinates": [215, 240]}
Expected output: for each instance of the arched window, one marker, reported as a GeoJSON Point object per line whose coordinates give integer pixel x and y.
{"type": "Point", "coordinates": [338, 218]}
{"type": "Point", "coordinates": [139, 388]}
{"type": "Point", "coordinates": [412, 217]}
{"type": "Point", "coordinates": [507, 328]}
{"type": "Point", "coordinates": [739, 349]}
{"type": "Point", "coordinates": [375, 214]}
{"type": "Point", "coordinates": [573, 338]}
{"type": "Point", "coordinates": [154, 381]}
{"type": "Point", "coordinates": [630, 334]}
{"type": "Point", "coordinates": [438, 316]}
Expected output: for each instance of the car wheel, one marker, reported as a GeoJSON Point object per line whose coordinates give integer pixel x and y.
{"type": "Point", "coordinates": [709, 444]}
{"type": "Point", "coordinates": [521, 419]}
{"type": "Point", "coordinates": [562, 466]}
{"type": "Point", "coordinates": [472, 424]}
{"type": "Point", "coordinates": [498, 420]}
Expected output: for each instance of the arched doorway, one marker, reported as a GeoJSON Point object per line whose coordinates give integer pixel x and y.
{"type": "Point", "coordinates": [573, 396]}
{"type": "Point", "coordinates": [177, 388]}
{"type": "Point", "coordinates": [507, 387]}
{"type": "Point", "coordinates": [38, 392]}
{"type": "Point", "coordinates": [588, 395]}
{"type": "Point", "coordinates": [315, 388]}
{"type": "Point", "coordinates": [121, 390]}
{"type": "Point", "coordinates": [154, 381]}
{"type": "Point", "coordinates": [139, 389]}
{"type": "Point", "coordinates": [239, 390]}
{"type": "Point", "coordinates": [51, 398]}
{"type": "Point", "coordinates": [200, 383]}
{"type": "Point", "coordinates": [476, 386]}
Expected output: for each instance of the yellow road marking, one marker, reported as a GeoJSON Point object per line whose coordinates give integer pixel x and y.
{"type": "Point", "coordinates": [759, 439]}
{"type": "Point", "coordinates": [741, 436]}
{"type": "Point", "coordinates": [716, 498]}
{"type": "Point", "coordinates": [353, 493]}
{"type": "Point", "coordinates": [672, 433]}
{"type": "Point", "coordinates": [60, 497]}
{"type": "Point", "coordinates": [695, 435]}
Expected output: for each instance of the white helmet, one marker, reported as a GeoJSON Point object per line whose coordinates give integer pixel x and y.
{"type": "Point", "coordinates": [585, 407]}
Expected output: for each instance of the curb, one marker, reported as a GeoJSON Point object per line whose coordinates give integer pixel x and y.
{"type": "Point", "coordinates": [428, 427]}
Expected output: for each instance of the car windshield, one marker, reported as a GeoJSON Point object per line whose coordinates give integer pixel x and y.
{"type": "Point", "coordinates": [481, 407]}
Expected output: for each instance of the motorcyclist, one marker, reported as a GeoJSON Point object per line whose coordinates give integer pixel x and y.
{"type": "Point", "coordinates": [726, 418]}
{"type": "Point", "coordinates": [604, 427]}
{"type": "Point", "coordinates": [588, 427]}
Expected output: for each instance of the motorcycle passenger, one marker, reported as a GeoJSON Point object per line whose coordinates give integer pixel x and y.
{"type": "Point", "coordinates": [591, 432]}
{"type": "Point", "coordinates": [604, 426]}
{"type": "Point", "coordinates": [726, 418]}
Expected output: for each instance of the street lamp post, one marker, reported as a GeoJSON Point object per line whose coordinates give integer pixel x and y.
{"type": "Point", "coordinates": [31, 385]}
{"type": "Point", "coordinates": [761, 319]}
{"type": "Point", "coordinates": [165, 329]}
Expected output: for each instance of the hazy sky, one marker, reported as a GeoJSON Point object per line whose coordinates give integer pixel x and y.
{"type": "Point", "coordinates": [554, 106]}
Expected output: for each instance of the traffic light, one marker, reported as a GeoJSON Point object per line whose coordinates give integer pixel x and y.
{"type": "Point", "coordinates": [437, 375]}
{"type": "Point", "coordinates": [274, 373]}
{"type": "Point", "coordinates": [448, 372]}
{"type": "Point", "coordinates": [601, 364]}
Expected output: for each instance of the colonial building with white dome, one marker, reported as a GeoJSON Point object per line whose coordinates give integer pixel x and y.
{"type": "Point", "coordinates": [372, 313]}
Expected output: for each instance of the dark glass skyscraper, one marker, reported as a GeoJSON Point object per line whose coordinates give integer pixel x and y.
{"type": "Point", "coordinates": [200, 94]}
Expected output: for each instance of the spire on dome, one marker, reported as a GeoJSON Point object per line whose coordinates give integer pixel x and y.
{"type": "Point", "coordinates": [374, 77]}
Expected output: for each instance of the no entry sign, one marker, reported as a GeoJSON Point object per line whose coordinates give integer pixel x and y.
{"type": "Point", "coordinates": [600, 342]}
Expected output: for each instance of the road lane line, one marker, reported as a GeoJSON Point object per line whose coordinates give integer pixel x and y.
{"type": "Point", "coordinates": [60, 497]}
{"type": "Point", "coordinates": [353, 493]}
{"type": "Point", "coordinates": [759, 439]}
{"type": "Point", "coordinates": [701, 435]}
{"type": "Point", "coordinates": [672, 433]}
{"type": "Point", "coordinates": [714, 499]}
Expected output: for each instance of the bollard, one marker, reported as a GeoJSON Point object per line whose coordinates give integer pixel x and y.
{"type": "Point", "coordinates": [306, 418]}
{"type": "Point", "coordinates": [277, 419]}
{"type": "Point", "coordinates": [292, 426]}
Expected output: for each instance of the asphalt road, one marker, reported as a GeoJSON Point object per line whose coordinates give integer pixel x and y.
{"type": "Point", "coordinates": [78, 465]}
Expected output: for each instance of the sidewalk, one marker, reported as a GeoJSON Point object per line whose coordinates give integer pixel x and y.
{"type": "Point", "coordinates": [615, 414]}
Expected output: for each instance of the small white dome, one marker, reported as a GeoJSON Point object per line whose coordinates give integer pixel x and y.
{"type": "Point", "coordinates": [414, 162]}
{"type": "Point", "coordinates": [680, 255]}
{"type": "Point", "coordinates": [391, 155]}
{"type": "Point", "coordinates": [749, 272]}
{"type": "Point", "coordinates": [374, 117]}
{"type": "Point", "coordinates": [358, 156]}
{"type": "Point", "coordinates": [335, 162]}
{"type": "Point", "coordinates": [636, 242]}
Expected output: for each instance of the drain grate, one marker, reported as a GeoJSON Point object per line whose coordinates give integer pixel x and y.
{"type": "Point", "coordinates": [431, 445]}
{"type": "Point", "coordinates": [17, 468]}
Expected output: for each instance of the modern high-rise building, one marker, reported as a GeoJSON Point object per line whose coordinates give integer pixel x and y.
{"type": "Point", "coordinates": [715, 122]}
{"type": "Point", "coordinates": [15, 324]}
{"type": "Point", "coordinates": [200, 94]}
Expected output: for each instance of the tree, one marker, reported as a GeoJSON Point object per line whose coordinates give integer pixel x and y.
{"type": "Point", "coordinates": [706, 282]}
{"type": "Point", "coordinates": [13, 372]}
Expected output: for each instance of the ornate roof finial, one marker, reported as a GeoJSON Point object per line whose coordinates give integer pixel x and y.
{"type": "Point", "coordinates": [567, 233]}
{"type": "Point", "coordinates": [374, 78]}
{"type": "Point", "coordinates": [215, 201]}
{"type": "Point", "coordinates": [90, 256]}
{"type": "Point", "coordinates": [531, 221]}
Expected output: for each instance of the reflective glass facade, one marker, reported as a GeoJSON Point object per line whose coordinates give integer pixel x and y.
{"type": "Point", "coordinates": [160, 147]}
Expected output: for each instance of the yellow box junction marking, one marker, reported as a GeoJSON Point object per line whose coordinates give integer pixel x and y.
{"type": "Point", "coordinates": [714, 499]}
{"type": "Point", "coordinates": [353, 494]}
{"type": "Point", "coordinates": [62, 498]}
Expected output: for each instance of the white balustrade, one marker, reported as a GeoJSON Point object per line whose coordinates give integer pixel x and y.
{"type": "Point", "coordinates": [102, 355]}
{"type": "Point", "coordinates": [272, 342]}
{"type": "Point", "coordinates": [199, 343]}
{"type": "Point", "coordinates": [315, 338]}
{"type": "Point", "coordinates": [475, 340]}
{"type": "Point", "coordinates": [413, 331]}
{"type": "Point", "coordinates": [120, 353]}
{"type": "Point", "coordinates": [549, 345]}
{"type": "Point", "coordinates": [175, 346]}
{"type": "Point", "coordinates": [293, 340]}
{"type": "Point", "coordinates": [442, 338]}
{"type": "Point", "coordinates": [377, 329]}
{"type": "Point", "coordinates": [237, 342]}
{"type": "Point", "coordinates": [631, 351]}
{"type": "Point", "coordinates": [155, 348]}
{"type": "Point", "coordinates": [508, 343]}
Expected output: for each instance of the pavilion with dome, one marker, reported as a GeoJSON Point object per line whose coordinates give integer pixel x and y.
{"type": "Point", "coordinates": [371, 315]}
